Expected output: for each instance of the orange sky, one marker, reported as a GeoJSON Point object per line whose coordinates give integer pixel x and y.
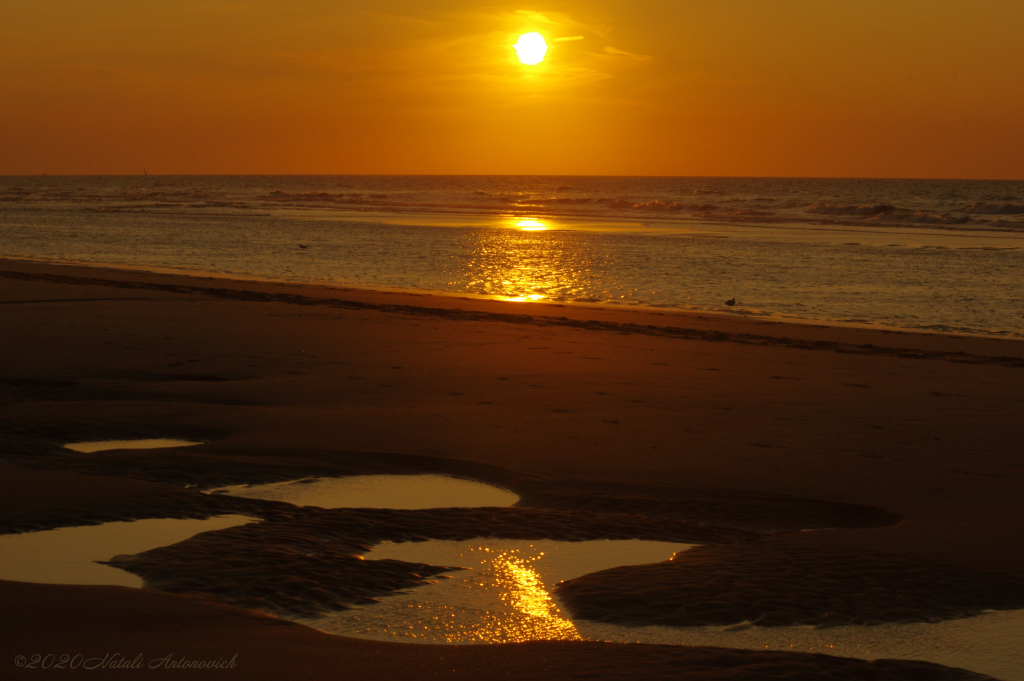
{"type": "Point", "coordinates": [879, 88]}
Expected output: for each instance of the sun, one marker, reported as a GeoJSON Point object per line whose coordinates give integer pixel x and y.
{"type": "Point", "coordinates": [531, 226]}
{"type": "Point", "coordinates": [531, 48]}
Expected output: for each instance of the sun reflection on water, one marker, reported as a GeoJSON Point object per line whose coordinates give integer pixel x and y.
{"type": "Point", "coordinates": [523, 589]}
{"type": "Point", "coordinates": [529, 612]}
{"type": "Point", "coordinates": [501, 599]}
{"type": "Point", "coordinates": [526, 263]}
{"type": "Point", "coordinates": [523, 299]}
{"type": "Point", "coordinates": [497, 592]}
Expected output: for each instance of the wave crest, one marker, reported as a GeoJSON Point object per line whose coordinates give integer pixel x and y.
{"type": "Point", "coordinates": [922, 218]}
{"type": "Point", "coordinates": [996, 208]}
{"type": "Point", "coordinates": [658, 206]}
{"type": "Point", "coordinates": [840, 209]}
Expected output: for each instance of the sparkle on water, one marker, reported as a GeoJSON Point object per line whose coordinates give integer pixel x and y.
{"type": "Point", "coordinates": [68, 555]}
{"type": "Point", "coordinates": [522, 299]}
{"type": "Point", "coordinates": [503, 596]}
{"type": "Point", "coordinates": [938, 263]}
{"type": "Point", "coordinates": [160, 443]}
{"type": "Point", "coordinates": [379, 491]}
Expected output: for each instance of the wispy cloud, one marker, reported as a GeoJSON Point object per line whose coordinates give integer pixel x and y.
{"type": "Point", "coordinates": [614, 51]}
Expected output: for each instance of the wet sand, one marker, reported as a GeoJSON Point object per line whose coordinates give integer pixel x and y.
{"type": "Point", "coordinates": [607, 422]}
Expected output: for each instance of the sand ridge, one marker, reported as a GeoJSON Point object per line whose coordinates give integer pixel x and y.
{"type": "Point", "coordinates": [770, 582]}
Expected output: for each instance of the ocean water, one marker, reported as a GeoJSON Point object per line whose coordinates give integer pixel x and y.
{"type": "Point", "coordinates": [945, 256]}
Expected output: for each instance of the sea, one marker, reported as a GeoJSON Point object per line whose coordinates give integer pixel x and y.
{"type": "Point", "coordinates": [942, 256]}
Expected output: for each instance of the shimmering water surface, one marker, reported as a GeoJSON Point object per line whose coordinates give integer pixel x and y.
{"type": "Point", "coordinates": [379, 491]}
{"type": "Point", "coordinates": [68, 555]}
{"type": "Point", "coordinates": [920, 254]}
{"type": "Point", "coordinates": [103, 445]}
{"type": "Point", "coordinates": [503, 596]}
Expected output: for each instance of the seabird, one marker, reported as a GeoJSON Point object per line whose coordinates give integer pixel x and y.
{"type": "Point", "coordinates": [730, 302]}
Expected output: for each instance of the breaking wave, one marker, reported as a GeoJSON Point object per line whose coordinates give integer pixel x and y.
{"type": "Point", "coordinates": [887, 214]}
{"type": "Point", "coordinates": [657, 206]}
{"type": "Point", "coordinates": [919, 217]}
{"type": "Point", "coordinates": [885, 204]}
{"type": "Point", "coordinates": [839, 209]}
{"type": "Point", "coordinates": [996, 208]}
{"type": "Point", "coordinates": [278, 195]}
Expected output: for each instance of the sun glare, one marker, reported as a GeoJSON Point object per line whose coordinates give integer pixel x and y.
{"type": "Point", "coordinates": [531, 48]}
{"type": "Point", "coordinates": [531, 226]}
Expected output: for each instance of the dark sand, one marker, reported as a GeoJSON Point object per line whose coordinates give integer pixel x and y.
{"type": "Point", "coordinates": [608, 423]}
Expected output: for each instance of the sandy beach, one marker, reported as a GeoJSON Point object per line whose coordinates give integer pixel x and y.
{"type": "Point", "coordinates": [902, 450]}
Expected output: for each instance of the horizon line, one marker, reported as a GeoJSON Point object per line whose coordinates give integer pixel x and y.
{"type": "Point", "coordinates": [717, 177]}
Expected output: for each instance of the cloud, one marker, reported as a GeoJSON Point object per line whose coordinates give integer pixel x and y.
{"type": "Point", "coordinates": [567, 38]}
{"type": "Point", "coordinates": [559, 23]}
{"type": "Point", "coordinates": [622, 53]}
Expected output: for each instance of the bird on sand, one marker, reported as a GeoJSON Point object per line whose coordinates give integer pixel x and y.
{"type": "Point", "coordinates": [303, 246]}
{"type": "Point", "coordinates": [730, 302]}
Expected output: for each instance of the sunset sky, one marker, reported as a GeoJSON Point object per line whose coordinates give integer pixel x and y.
{"type": "Point", "coordinates": [875, 88]}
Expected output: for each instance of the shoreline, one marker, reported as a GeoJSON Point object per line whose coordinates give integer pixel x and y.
{"type": "Point", "coordinates": [908, 441]}
{"type": "Point", "coordinates": [532, 306]}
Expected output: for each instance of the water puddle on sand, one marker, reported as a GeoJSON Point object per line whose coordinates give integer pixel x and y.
{"type": "Point", "coordinates": [988, 644]}
{"type": "Point", "coordinates": [504, 596]}
{"type": "Point", "coordinates": [90, 447]}
{"type": "Point", "coordinates": [379, 491]}
{"type": "Point", "coordinates": [67, 555]}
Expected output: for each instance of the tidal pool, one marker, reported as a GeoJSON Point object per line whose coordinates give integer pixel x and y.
{"type": "Point", "coordinates": [990, 643]}
{"type": "Point", "coordinates": [68, 555]}
{"type": "Point", "coordinates": [158, 443]}
{"type": "Point", "coordinates": [503, 596]}
{"type": "Point", "coordinates": [379, 491]}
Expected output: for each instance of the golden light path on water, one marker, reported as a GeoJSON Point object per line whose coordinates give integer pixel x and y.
{"type": "Point", "coordinates": [523, 590]}
{"type": "Point", "coordinates": [502, 594]}
{"type": "Point", "coordinates": [532, 261]}
{"type": "Point", "coordinates": [530, 614]}
{"type": "Point", "coordinates": [524, 281]}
